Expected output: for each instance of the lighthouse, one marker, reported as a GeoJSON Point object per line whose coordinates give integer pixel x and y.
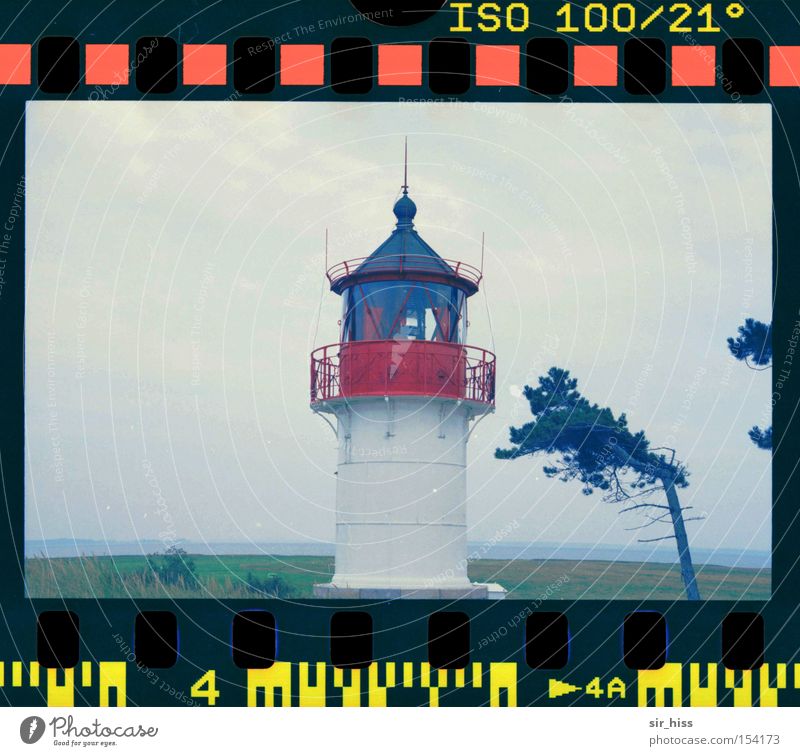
{"type": "Point", "coordinates": [403, 389]}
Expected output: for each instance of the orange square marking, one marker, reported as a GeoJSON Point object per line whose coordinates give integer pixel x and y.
{"type": "Point", "coordinates": [15, 64]}
{"type": "Point", "coordinates": [302, 65]}
{"type": "Point", "coordinates": [497, 65]}
{"type": "Point", "coordinates": [694, 66]}
{"type": "Point", "coordinates": [107, 64]}
{"type": "Point", "coordinates": [204, 64]}
{"type": "Point", "coordinates": [784, 66]}
{"type": "Point", "coordinates": [400, 65]}
{"type": "Point", "coordinates": [595, 66]}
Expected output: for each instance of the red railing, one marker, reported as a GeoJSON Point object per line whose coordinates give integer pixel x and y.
{"type": "Point", "coordinates": [402, 368]}
{"type": "Point", "coordinates": [405, 264]}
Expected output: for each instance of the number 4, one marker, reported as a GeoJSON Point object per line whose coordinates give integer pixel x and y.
{"type": "Point", "coordinates": [209, 679]}
{"type": "Point", "coordinates": [593, 688]}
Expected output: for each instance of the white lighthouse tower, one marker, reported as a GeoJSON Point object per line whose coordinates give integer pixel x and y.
{"type": "Point", "coordinates": [404, 388]}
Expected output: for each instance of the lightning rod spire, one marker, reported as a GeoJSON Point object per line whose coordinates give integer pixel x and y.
{"type": "Point", "coordinates": [405, 168]}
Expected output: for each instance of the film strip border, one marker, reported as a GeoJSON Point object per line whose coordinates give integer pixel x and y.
{"type": "Point", "coordinates": [546, 638]}
{"type": "Point", "coordinates": [356, 671]}
{"type": "Point", "coordinates": [354, 65]}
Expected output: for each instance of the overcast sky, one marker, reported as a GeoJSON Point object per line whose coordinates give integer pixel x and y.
{"type": "Point", "coordinates": [175, 289]}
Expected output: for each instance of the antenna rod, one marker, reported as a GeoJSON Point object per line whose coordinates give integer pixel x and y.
{"type": "Point", "coordinates": [405, 169]}
{"type": "Point", "coordinates": [326, 251]}
{"type": "Point", "coordinates": [483, 245]}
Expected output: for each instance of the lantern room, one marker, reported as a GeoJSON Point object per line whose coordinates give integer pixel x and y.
{"type": "Point", "coordinates": [404, 290]}
{"type": "Point", "coordinates": [404, 324]}
{"type": "Point", "coordinates": [404, 310]}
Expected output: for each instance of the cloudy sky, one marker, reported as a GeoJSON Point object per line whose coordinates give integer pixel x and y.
{"type": "Point", "coordinates": [175, 290]}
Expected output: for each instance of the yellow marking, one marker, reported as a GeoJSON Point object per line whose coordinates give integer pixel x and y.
{"type": "Point", "coordinates": [702, 695]}
{"type": "Point", "coordinates": [86, 674]}
{"type": "Point", "coordinates": [477, 675]}
{"type": "Point", "coordinates": [649, 20]}
{"type": "Point", "coordinates": [661, 680]}
{"type": "Point", "coordinates": [459, 678]}
{"type": "Point", "coordinates": [616, 688]}
{"type": "Point", "coordinates": [34, 674]}
{"type": "Point", "coordinates": [61, 695]}
{"type": "Point", "coordinates": [351, 694]}
{"type": "Point", "coordinates": [408, 674]}
{"type": "Point", "coordinates": [425, 674]}
{"type": "Point", "coordinates": [112, 675]}
{"type": "Point", "coordinates": [377, 692]}
{"type": "Point", "coordinates": [16, 674]}
{"type": "Point", "coordinates": [460, 7]}
{"type": "Point", "coordinates": [502, 676]}
{"type": "Point", "coordinates": [768, 696]}
{"type": "Point", "coordinates": [735, 10]}
{"type": "Point", "coordinates": [205, 686]}
{"type": "Point", "coordinates": [312, 695]}
{"type": "Point", "coordinates": [743, 694]}
{"type": "Point", "coordinates": [279, 675]}
{"type": "Point", "coordinates": [557, 688]}
{"type": "Point", "coordinates": [3, 673]}
{"type": "Point", "coordinates": [425, 682]}
{"type": "Point", "coordinates": [432, 679]}
{"type": "Point", "coordinates": [796, 676]}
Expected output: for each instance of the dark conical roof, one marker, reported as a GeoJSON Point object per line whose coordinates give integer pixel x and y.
{"type": "Point", "coordinates": [405, 255]}
{"type": "Point", "coordinates": [405, 249]}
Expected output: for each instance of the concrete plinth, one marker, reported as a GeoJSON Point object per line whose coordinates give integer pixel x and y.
{"type": "Point", "coordinates": [480, 591]}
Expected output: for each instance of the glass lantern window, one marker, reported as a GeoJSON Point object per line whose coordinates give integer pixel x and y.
{"type": "Point", "coordinates": [384, 310]}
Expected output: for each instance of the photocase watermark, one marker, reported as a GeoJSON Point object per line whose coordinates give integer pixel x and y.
{"type": "Point", "coordinates": [66, 732]}
{"type": "Point", "coordinates": [593, 132]}
{"type": "Point", "coordinates": [708, 54]}
{"type": "Point", "coordinates": [53, 426]}
{"type": "Point", "coordinates": [31, 729]}
{"type": "Point", "coordinates": [197, 320]}
{"type": "Point", "coordinates": [363, 452]}
{"type": "Point", "coordinates": [748, 293]}
{"type": "Point", "coordinates": [687, 239]}
{"type": "Point", "coordinates": [503, 630]}
{"type": "Point", "coordinates": [104, 92]}
{"type": "Point", "coordinates": [212, 111]}
{"type": "Point", "coordinates": [783, 370]}
{"type": "Point", "coordinates": [686, 406]}
{"type": "Point", "coordinates": [168, 536]}
{"type": "Point", "coordinates": [505, 184]}
{"type": "Point", "coordinates": [151, 676]}
{"type": "Point", "coordinates": [321, 24]}
{"type": "Point", "coordinates": [83, 319]}
{"type": "Point", "coordinates": [9, 228]}
{"type": "Point", "coordinates": [461, 566]}
{"type": "Point", "coordinates": [297, 297]}
{"type": "Point", "coordinates": [548, 349]}
{"type": "Point", "coordinates": [639, 385]}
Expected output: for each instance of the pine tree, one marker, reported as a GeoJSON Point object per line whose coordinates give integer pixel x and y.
{"type": "Point", "coordinates": [593, 446]}
{"type": "Point", "coordinates": [753, 346]}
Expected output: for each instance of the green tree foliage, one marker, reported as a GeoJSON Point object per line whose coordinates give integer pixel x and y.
{"type": "Point", "coordinates": [761, 438]}
{"type": "Point", "coordinates": [753, 346]}
{"type": "Point", "coordinates": [753, 343]}
{"type": "Point", "coordinates": [272, 586]}
{"type": "Point", "coordinates": [593, 446]}
{"type": "Point", "coordinates": [174, 567]}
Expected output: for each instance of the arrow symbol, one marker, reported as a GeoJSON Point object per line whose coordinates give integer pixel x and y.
{"type": "Point", "coordinates": [558, 688]}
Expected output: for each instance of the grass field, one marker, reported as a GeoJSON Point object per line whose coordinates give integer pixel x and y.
{"type": "Point", "coordinates": [226, 577]}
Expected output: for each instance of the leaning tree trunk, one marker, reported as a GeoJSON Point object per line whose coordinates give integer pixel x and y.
{"type": "Point", "coordinates": [687, 568]}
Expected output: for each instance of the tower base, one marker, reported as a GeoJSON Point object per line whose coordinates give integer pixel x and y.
{"type": "Point", "coordinates": [480, 591]}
